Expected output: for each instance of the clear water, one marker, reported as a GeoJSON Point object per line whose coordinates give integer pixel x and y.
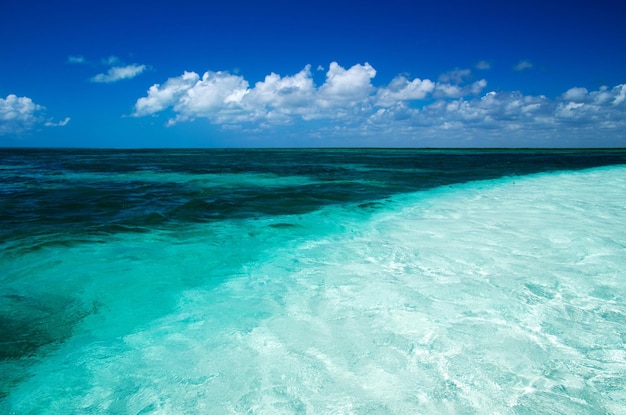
{"type": "Point", "coordinates": [312, 282]}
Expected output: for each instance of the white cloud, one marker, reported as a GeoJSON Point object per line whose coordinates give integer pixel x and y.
{"type": "Point", "coordinates": [117, 73]}
{"type": "Point", "coordinates": [20, 114]}
{"type": "Point", "coordinates": [510, 118]}
{"type": "Point", "coordinates": [570, 110]}
{"type": "Point", "coordinates": [446, 90]}
{"type": "Point", "coordinates": [225, 98]}
{"type": "Point", "coordinates": [348, 103]}
{"type": "Point", "coordinates": [452, 84]}
{"type": "Point", "coordinates": [477, 87]}
{"type": "Point", "coordinates": [400, 89]}
{"type": "Point", "coordinates": [215, 94]}
{"type": "Point", "coordinates": [491, 110]}
{"type": "Point", "coordinates": [620, 94]}
{"type": "Point", "coordinates": [350, 86]}
{"type": "Point", "coordinates": [61, 123]}
{"type": "Point", "coordinates": [602, 108]}
{"type": "Point", "coordinates": [575, 94]}
{"type": "Point", "coordinates": [280, 97]}
{"type": "Point", "coordinates": [160, 97]}
{"type": "Point", "coordinates": [513, 110]}
{"type": "Point", "coordinates": [522, 65]}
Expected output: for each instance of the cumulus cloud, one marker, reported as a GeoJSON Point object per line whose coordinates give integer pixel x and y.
{"type": "Point", "coordinates": [578, 114]}
{"type": "Point", "coordinates": [401, 89]}
{"type": "Point", "coordinates": [447, 90]}
{"type": "Point", "coordinates": [278, 98]}
{"type": "Point", "coordinates": [20, 114]}
{"type": "Point", "coordinates": [216, 96]}
{"type": "Point", "coordinates": [160, 97]}
{"type": "Point", "coordinates": [575, 94]}
{"type": "Point", "coordinates": [348, 103]}
{"type": "Point", "coordinates": [225, 98]}
{"type": "Point", "coordinates": [578, 117]}
{"type": "Point", "coordinates": [454, 84]}
{"type": "Point", "coordinates": [601, 97]}
{"type": "Point", "coordinates": [619, 94]}
{"type": "Point", "coordinates": [117, 73]}
{"type": "Point", "coordinates": [490, 110]}
{"type": "Point", "coordinates": [347, 85]}
{"type": "Point", "coordinates": [604, 108]}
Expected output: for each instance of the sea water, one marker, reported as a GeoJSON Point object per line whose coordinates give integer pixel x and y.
{"type": "Point", "coordinates": [312, 281]}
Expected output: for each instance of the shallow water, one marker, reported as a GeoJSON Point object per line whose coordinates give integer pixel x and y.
{"type": "Point", "coordinates": [313, 281]}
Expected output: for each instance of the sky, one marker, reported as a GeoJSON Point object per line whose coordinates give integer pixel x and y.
{"type": "Point", "coordinates": [390, 73]}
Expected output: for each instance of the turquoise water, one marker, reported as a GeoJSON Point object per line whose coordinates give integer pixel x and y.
{"type": "Point", "coordinates": [313, 282]}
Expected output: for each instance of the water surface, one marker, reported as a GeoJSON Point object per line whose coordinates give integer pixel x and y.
{"type": "Point", "coordinates": [312, 281]}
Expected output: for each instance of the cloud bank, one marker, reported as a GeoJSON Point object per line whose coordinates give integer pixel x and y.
{"type": "Point", "coordinates": [347, 102]}
{"type": "Point", "coordinates": [21, 114]}
{"type": "Point", "coordinates": [346, 94]}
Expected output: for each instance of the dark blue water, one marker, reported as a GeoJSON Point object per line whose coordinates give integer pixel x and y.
{"type": "Point", "coordinates": [83, 193]}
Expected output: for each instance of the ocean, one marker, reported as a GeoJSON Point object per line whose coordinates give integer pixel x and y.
{"type": "Point", "coordinates": [312, 281]}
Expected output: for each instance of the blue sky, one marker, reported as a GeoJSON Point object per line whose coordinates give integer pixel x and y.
{"type": "Point", "coordinates": [324, 73]}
